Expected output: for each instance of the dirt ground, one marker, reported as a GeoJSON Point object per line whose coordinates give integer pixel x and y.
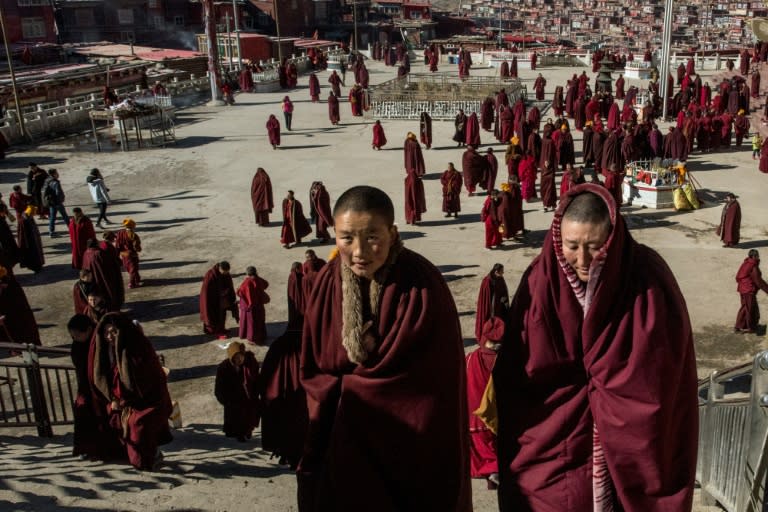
{"type": "Point", "coordinates": [191, 202]}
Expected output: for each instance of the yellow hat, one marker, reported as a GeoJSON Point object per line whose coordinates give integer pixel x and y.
{"type": "Point", "coordinates": [588, 123]}
{"type": "Point", "coordinates": [129, 223]}
{"type": "Point", "coordinates": [505, 187]}
{"type": "Point", "coordinates": [514, 140]}
{"type": "Point", "coordinates": [741, 111]}
{"type": "Point", "coordinates": [234, 348]}
{"type": "Point", "coordinates": [411, 135]}
{"type": "Point", "coordinates": [333, 254]}
{"type": "Point", "coordinates": [3, 272]}
{"type": "Point", "coordinates": [31, 210]}
{"type": "Point", "coordinates": [563, 128]}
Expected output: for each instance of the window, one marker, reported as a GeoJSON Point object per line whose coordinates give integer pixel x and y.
{"type": "Point", "coordinates": [125, 16]}
{"type": "Point", "coordinates": [32, 28]}
{"type": "Point", "coordinates": [158, 21]}
{"type": "Point", "coordinates": [178, 21]}
{"type": "Point", "coordinates": [152, 4]}
{"type": "Point", "coordinates": [32, 3]}
{"type": "Point", "coordinates": [84, 17]}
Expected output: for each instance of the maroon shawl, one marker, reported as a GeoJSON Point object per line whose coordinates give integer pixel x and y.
{"type": "Point", "coordinates": [379, 139]}
{"type": "Point", "coordinates": [391, 432]}
{"type": "Point", "coordinates": [216, 295]}
{"type": "Point", "coordinates": [729, 229]}
{"type": "Point", "coordinates": [295, 299]}
{"type": "Point", "coordinates": [261, 193]}
{"type": "Point", "coordinates": [79, 234]}
{"type": "Point", "coordinates": [413, 159]}
{"type": "Point", "coordinates": [491, 301]}
{"type": "Point", "coordinates": [284, 402]}
{"type": "Point", "coordinates": [619, 358]}
{"type": "Point", "coordinates": [273, 130]}
{"type": "Point", "coordinates": [104, 264]}
{"type": "Point", "coordinates": [20, 325]}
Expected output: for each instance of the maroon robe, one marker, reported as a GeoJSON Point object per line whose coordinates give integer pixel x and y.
{"type": "Point", "coordinates": [489, 215]}
{"type": "Point", "coordinates": [570, 368]}
{"type": "Point", "coordinates": [763, 165]}
{"type": "Point", "coordinates": [451, 181]}
{"type": "Point", "coordinates": [135, 379]}
{"type": "Point", "coordinates": [548, 165]}
{"type": "Point", "coordinates": [513, 68]}
{"type": "Point", "coordinates": [295, 299]}
{"type": "Point", "coordinates": [295, 225]}
{"type": "Point", "coordinates": [527, 171]}
{"type": "Point", "coordinates": [252, 325]}
{"type": "Point", "coordinates": [333, 109]}
{"type": "Point", "coordinates": [80, 292]}
{"type": "Point", "coordinates": [413, 158]}
{"type": "Point", "coordinates": [504, 69]}
{"type": "Point", "coordinates": [620, 88]}
{"type": "Point", "coordinates": [749, 281]}
{"type": "Point", "coordinates": [487, 112]}
{"type": "Point", "coordinates": [246, 80]}
{"type": "Point", "coordinates": [493, 170]}
{"type": "Point", "coordinates": [314, 88]}
{"type": "Point", "coordinates": [217, 296]}
{"type": "Point", "coordinates": [9, 249]}
{"type": "Point", "coordinates": [415, 200]}
{"type": "Point", "coordinates": [85, 436]}
{"type": "Point", "coordinates": [538, 86]}
{"type": "Point", "coordinates": [506, 123]}
{"type": "Point", "coordinates": [104, 264]}
{"type": "Point", "coordinates": [729, 229]}
{"type": "Point", "coordinates": [379, 139]}
{"type": "Point", "coordinates": [335, 81]}
{"type": "Point", "coordinates": [128, 244]}
{"type": "Point", "coordinates": [261, 197]}
{"type": "Point", "coordinates": [284, 403]}
{"type": "Point", "coordinates": [362, 416]}
{"type": "Point", "coordinates": [474, 168]}
{"type": "Point", "coordinates": [237, 389]}
{"type": "Point", "coordinates": [482, 449]}
{"type": "Point", "coordinates": [79, 234]}
{"type": "Point", "coordinates": [511, 211]}
{"type": "Point", "coordinates": [473, 131]}
{"type": "Point", "coordinates": [20, 324]}
{"type": "Point", "coordinates": [425, 129]}
{"type": "Point", "coordinates": [31, 254]}
{"type": "Point", "coordinates": [273, 130]}
{"type": "Point", "coordinates": [321, 203]}
{"type": "Point", "coordinates": [492, 300]}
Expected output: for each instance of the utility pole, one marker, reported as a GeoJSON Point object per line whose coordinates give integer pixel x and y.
{"type": "Point", "coordinates": [237, 31]}
{"type": "Point", "coordinates": [666, 43]}
{"type": "Point", "coordinates": [213, 52]}
{"type": "Point", "coordinates": [277, 26]}
{"type": "Point", "coordinates": [228, 46]}
{"type": "Point", "coordinates": [354, 21]}
{"type": "Point", "coordinates": [9, 57]}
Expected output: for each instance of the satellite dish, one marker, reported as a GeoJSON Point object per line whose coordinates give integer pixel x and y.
{"type": "Point", "coordinates": [760, 28]}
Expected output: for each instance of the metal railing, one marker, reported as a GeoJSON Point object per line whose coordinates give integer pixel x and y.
{"type": "Point", "coordinates": [733, 416]}
{"type": "Point", "coordinates": [36, 390]}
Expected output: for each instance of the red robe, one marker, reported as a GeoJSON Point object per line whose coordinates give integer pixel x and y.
{"type": "Point", "coordinates": [314, 88]}
{"type": "Point", "coordinates": [104, 264]}
{"type": "Point", "coordinates": [138, 381]}
{"type": "Point", "coordinates": [273, 130]}
{"type": "Point", "coordinates": [295, 225]}
{"type": "Point", "coordinates": [763, 165]}
{"type": "Point", "coordinates": [749, 281]}
{"type": "Point", "coordinates": [492, 300]}
{"type": "Point", "coordinates": [379, 139]}
{"type": "Point", "coordinates": [413, 158]}
{"type": "Point", "coordinates": [473, 131]}
{"type": "Point", "coordinates": [482, 449]}
{"type": "Point", "coordinates": [548, 165]}
{"type": "Point", "coordinates": [217, 296]}
{"type": "Point", "coordinates": [333, 109]}
{"type": "Point", "coordinates": [321, 203]}
{"type": "Point", "coordinates": [511, 211]}
{"type": "Point", "coordinates": [20, 324]}
{"type": "Point", "coordinates": [490, 217]}
{"type": "Point", "coordinates": [295, 299]}
{"type": "Point", "coordinates": [729, 229]}
{"type": "Point", "coordinates": [474, 168]}
{"type": "Point", "coordinates": [31, 254]}
{"type": "Point", "coordinates": [284, 403]}
{"type": "Point", "coordinates": [79, 234]}
{"type": "Point", "coordinates": [451, 182]}
{"type": "Point", "coordinates": [425, 129]}
{"type": "Point", "coordinates": [261, 197]}
{"type": "Point", "coordinates": [237, 389]}
{"type": "Point", "coordinates": [252, 325]}
{"type": "Point", "coordinates": [128, 245]}
{"type": "Point", "coordinates": [563, 372]}
{"type": "Point", "coordinates": [415, 200]}
{"type": "Point", "coordinates": [528, 178]}
{"type": "Point", "coordinates": [362, 417]}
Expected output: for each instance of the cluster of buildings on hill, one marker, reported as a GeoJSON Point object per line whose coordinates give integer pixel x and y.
{"type": "Point", "coordinates": [624, 24]}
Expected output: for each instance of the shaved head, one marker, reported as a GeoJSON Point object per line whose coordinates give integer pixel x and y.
{"type": "Point", "coordinates": [365, 199]}
{"type": "Point", "coordinates": [587, 208]}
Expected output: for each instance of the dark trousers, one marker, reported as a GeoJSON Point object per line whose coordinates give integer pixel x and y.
{"type": "Point", "coordinates": [102, 212]}
{"type": "Point", "coordinates": [288, 116]}
{"type": "Point", "coordinates": [52, 219]}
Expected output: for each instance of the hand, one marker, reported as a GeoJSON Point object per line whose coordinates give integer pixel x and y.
{"type": "Point", "coordinates": [115, 406]}
{"type": "Point", "coordinates": [368, 337]}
